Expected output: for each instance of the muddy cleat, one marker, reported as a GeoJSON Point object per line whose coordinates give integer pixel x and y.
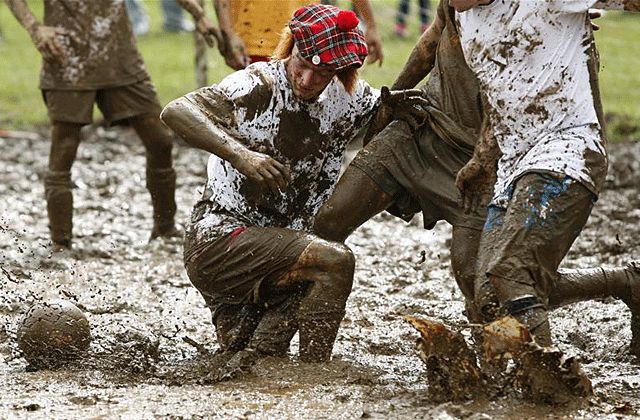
{"type": "Point", "coordinates": [452, 370]}
{"type": "Point", "coordinates": [632, 300]}
{"type": "Point", "coordinates": [543, 374]}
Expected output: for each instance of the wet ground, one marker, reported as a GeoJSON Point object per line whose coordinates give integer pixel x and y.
{"type": "Point", "coordinates": [141, 306]}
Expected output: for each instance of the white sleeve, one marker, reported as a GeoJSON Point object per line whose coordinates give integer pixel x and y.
{"type": "Point", "coordinates": [366, 98]}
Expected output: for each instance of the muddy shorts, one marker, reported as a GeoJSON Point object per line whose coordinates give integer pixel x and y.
{"type": "Point", "coordinates": [116, 104]}
{"type": "Point", "coordinates": [419, 171]}
{"type": "Point", "coordinates": [237, 268]}
{"type": "Point", "coordinates": [523, 245]}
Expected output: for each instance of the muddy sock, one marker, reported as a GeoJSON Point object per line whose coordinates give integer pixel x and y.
{"type": "Point", "coordinates": [277, 327]}
{"type": "Point", "coordinates": [591, 283]}
{"type": "Point", "coordinates": [319, 322]}
{"type": "Point", "coordinates": [161, 183]}
{"type": "Point", "coordinates": [57, 190]}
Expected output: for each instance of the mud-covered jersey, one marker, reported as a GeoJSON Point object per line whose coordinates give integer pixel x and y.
{"type": "Point", "coordinates": [99, 46]}
{"type": "Point", "coordinates": [258, 108]}
{"type": "Point", "coordinates": [535, 61]}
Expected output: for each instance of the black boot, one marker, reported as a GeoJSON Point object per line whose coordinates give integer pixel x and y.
{"type": "Point", "coordinates": [57, 190]}
{"type": "Point", "coordinates": [161, 184]}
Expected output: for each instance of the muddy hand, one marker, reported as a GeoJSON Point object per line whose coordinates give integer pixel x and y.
{"type": "Point", "coordinates": [234, 52]}
{"type": "Point", "coordinates": [210, 33]}
{"type": "Point", "coordinates": [374, 45]}
{"type": "Point", "coordinates": [46, 41]}
{"type": "Point", "coordinates": [409, 105]}
{"type": "Point", "coordinates": [475, 184]}
{"type": "Point", "coordinates": [264, 170]}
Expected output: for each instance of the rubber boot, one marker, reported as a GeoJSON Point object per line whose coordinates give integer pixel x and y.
{"type": "Point", "coordinates": [235, 325]}
{"type": "Point", "coordinates": [277, 327]}
{"type": "Point", "coordinates": [161, 184]}
{"type": "Point", "coordinates": [57, 191]}
{"type": "Point", "coordinates": [319, 322]}
{"type": "Point", "coordinates": [586, 284]}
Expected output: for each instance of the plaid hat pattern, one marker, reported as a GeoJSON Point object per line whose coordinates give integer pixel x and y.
{"type": "Point", "coordinates": [328, 36]}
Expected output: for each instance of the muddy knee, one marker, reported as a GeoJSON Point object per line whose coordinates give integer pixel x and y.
{"type": "Point", "coordinates": [328, 226]}
{"type": "Point", "coordinates": [338, 263]}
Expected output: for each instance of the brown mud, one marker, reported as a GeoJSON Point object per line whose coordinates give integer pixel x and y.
{"type": "Point", "coordinates": [141, 306]}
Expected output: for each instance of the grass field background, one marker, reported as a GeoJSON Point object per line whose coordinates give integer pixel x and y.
{"type": "Point", "coordinates": [169, 59]}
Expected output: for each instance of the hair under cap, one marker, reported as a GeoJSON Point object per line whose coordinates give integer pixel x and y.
{"type": "Point", "coordinates": [328, 36]}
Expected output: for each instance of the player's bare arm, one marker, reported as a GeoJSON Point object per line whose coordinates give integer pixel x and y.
{"type": "Point", "coordinates": [203, 24]}
{"type": "Point", "coordinates": [476, 179]}
{"type": "Point", "coordinates": [234, 51]}
{"type": "Point", "coordinates": [198, 130]}
{"type": "Point", "coordinates": [371, 35]}
{"type": "Point", "coordinates": [422, 57]}
{"type": "Point", "coordinates": [43, 37]}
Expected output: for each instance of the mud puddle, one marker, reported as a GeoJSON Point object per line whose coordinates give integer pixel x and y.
{"type": "Point", "coordinates": [141, 305]}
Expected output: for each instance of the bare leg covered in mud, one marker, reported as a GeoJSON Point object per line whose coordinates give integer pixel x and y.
{"type": "Point", "coordinates": [317, 285]}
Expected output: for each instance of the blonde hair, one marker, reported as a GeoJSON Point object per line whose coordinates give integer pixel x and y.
{"type": "Point", "coordinates": [348, 76]}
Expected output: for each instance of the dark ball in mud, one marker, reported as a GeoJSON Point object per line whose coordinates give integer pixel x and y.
{"type": "Point", "coordinates": [53, 332]}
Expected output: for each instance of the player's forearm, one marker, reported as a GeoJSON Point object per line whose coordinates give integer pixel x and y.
{"type": "Point", "coordinates": [487, 152]}
{"type": "Point", "coordinates": [193, 7]}
{"type": "Point", "coordinates": [224, 16]}
{"type": "Point", "coordinates": [22, 13]}
{"type": "Point", "coordinates": [422, 58]}
{"type": "Point", "coordinates": [363, 7]}
{"type": "Point", "coordinates": [194, 127]}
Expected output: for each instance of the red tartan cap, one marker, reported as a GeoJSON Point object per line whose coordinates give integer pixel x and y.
{"type": "Point", "coordinates": [328, 36]}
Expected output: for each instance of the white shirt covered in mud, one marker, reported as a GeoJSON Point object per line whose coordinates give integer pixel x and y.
{"type": "Point", "coordinates": [532, 59]}
{"type": "Point", "coordinates": [258, 108]}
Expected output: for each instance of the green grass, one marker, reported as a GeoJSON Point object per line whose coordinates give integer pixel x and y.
{"type": "Point", "coordinates": [169, 59]}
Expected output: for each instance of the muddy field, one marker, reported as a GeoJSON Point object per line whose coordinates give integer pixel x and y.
{"type": "Point", "coordinates": [141, 306]}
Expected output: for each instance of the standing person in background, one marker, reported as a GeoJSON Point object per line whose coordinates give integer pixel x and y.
{"type": "Point", "coordinates": [400, 28]}
{"type": "Point", "coordinates": [251, 28]}
{"type": "Point", "coordinates": [90, 56]}
{"type": "Point", "coordinates": [173, 17]}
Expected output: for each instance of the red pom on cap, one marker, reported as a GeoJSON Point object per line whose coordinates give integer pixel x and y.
{"type": "Point", "coordinates": [347, 20]}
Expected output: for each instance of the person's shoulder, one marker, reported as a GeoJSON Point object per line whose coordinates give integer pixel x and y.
{"type": "Point", "coordinates": [242, 82]}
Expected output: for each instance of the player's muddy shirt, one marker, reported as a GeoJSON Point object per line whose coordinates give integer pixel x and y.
{"type": "Point", "coordinates": [258, 108]}
{"type": "Point", "coordinates": [533, 61]}
{"type": "Point", "coordinates": [453, 89]}
{"type": "Point", "coordinates": [100, 48]}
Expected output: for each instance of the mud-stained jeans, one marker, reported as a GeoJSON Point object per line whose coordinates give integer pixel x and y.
{"type": "Point", "coordinates": [523, 244]}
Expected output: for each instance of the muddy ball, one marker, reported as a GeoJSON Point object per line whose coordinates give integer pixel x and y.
{"type": "Point", "coordinates": [53, 332]}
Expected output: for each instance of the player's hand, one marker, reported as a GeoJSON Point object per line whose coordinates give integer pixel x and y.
{"type": "Point", "coordinates": [475, 183]}
{"type": "Point", "coordinates": [234, 52]}
{"type": "Point", "coordinates": [46, 40]}
{"type": "Point", "coordinates": [210, 33]}
{"type": "Point", "coordinates": [374, 45]}
{"type": "Point", "coordinates": [409, 105]}
{"type": "Point", "coordinates": [264, 170]}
